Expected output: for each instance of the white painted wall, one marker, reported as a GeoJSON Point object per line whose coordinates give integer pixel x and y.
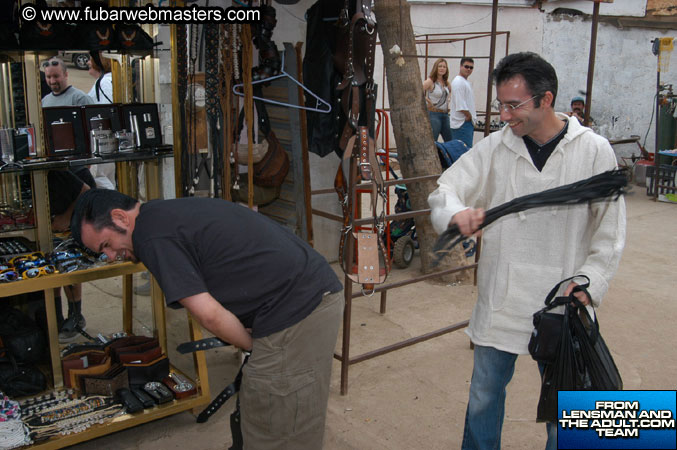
{"type": "Point", "coordinates": [624, 83]}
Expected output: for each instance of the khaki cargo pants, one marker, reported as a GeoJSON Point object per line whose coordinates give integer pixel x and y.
{"type": "Point", "coordinates": [285, 384]}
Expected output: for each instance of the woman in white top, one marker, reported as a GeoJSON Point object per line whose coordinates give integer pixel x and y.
{"type": "Point", "coordinates": [101, 92]}
{"type": "Point", "coordinates": [437, 96]}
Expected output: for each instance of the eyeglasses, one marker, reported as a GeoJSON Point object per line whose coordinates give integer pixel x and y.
{"type": "Point", "coordinates": [507, 107]}
{"type": "Point", "coordinates": [46, 64]}
{"type": "Point", "coordinates": [8, 275]}
{"type": "Point", "coordinates": [38, 271]}
{"type": "Point", "coordinates": [469, 67]}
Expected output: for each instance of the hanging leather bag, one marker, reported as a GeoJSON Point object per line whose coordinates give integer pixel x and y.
{"type": "Point", "coordinates": [273, 168]}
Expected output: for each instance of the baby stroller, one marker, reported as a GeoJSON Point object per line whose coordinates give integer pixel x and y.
{"type": "Point", "coordinates": [402, 232]}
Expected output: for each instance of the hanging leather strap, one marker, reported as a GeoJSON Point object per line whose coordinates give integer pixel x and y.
{"type": "Point", "coordinates": [230, 390]}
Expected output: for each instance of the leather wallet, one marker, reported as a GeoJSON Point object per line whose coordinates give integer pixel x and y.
{"type": "Point", "coordinates": [142, 373]}
{"type": "Point", "coordinates": [143, 356]}
{"type": "Point", "coordinates": [143, 397]}
{"type": "Point", "coordinates": [129, 400]}
{"type": "Point", "coordinates": [91, 362]}
{"type": "Point", "coordinates": [135, 344]}
{"type": "Point", "coordinates": [107, 383]}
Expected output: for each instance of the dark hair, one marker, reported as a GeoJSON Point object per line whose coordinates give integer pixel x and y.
{"type": "Point", "coordinates": [466, 59]}
{"type": "Point", "coordinates": [94, 207]}
{"type": "Point", "coordinates": [538, 74]}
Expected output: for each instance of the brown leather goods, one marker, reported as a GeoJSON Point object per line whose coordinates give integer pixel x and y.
{"type": "Point", "coordinates": [107, 383]}
{"type": "Point", "coordinates": [94, 362]}
{"type": "Point", "coordinates": [63, 138]}
{"type": "Point", "coordinates": [180, 386]}
{"type": "Point", "coordinates": [433, 109]}
{"type": "Point", "coordinates": [273, 168]}
{"type": "Point", "coordinates": [65, 132]}
{"type": "Point", "coordinates": [128, 341]}
{"type": "Point", "coordinates": [142, 356]}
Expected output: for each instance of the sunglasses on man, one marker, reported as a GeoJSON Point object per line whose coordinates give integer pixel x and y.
{"type": "Point", "coordinates": [46, 64]}
{"type": "Point", "coordinates": [469, 67]}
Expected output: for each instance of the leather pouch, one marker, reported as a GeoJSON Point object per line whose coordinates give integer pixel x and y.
{"type": "Point", "coordinates": [140, 374]}
{"type": "Point", "coordinates": [129, 400]}
{"type": "Point", "coordinates": [107, 383]}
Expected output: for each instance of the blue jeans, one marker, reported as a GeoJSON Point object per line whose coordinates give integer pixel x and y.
{"type": "Point", "coordinates": [492, 371]}
{"type": "Point", "coordinates": [464, 133]}
{"type": "Point", "coordinates": [441, 125]}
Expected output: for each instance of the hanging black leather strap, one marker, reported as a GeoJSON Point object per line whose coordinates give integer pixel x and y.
{"type": "Point", "coordinates": [230, 390]}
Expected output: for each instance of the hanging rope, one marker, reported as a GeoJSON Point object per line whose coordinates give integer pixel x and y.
{"type": "Point", "coordinates": [598, 187]}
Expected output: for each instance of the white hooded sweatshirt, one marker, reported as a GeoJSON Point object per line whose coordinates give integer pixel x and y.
{"type": "Point", "coordinates": [525, 255]}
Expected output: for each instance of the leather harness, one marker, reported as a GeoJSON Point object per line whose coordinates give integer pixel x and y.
{"type": "Point", "coordinates": [355, 58]}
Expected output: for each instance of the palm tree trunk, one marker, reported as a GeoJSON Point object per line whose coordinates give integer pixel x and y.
{"type": "Point", "coordinates": [416, 149]}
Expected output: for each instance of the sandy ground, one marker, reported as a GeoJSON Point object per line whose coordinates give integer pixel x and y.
{"type": "Point", "coordinates": [415, 398]}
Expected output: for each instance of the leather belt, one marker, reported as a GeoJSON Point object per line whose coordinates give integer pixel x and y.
{"type": "Point", "coordinates": [430, 108]}
{"type": "Point", "coordinates": [202, 344]}
{"type": "Point", "coordinates": [230, 390]}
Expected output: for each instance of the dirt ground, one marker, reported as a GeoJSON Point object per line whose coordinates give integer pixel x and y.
{"type": "Point", "coordinates": [415, 398]}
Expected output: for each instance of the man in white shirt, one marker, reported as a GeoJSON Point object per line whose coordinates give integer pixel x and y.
{"type": "Point", "coordinates": [463, 113]}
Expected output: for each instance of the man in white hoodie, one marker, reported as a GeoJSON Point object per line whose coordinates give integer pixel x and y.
{"type": "Point", "coordinates": [524, 255]}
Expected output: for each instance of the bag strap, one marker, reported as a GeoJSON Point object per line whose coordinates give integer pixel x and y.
{"type": "Point", "coordinates": [98, 89]}
{"type": "Point", "coordinates": [551, 295]}
{"type": "Point", "coordinates": [581, 309]}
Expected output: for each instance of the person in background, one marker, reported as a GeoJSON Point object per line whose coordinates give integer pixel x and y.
{"type": "Point", "coordinates": [249, 281]}
{"type": "Point", "coordinates": [578, 110]}
{"type": "Point", "coordinates": [101, 92]}
{"type": "Point", "coordinates": [463, 114]}
{"type": "Point", "coordinates": [437, 91]}
{"type": "Point", "coordinates": [524, 255]}
{"type": "Point", "coordinates": [63, 94]}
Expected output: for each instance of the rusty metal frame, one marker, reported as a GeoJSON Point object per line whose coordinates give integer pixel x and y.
{"type": "Point", "coordinates": [344, 356]}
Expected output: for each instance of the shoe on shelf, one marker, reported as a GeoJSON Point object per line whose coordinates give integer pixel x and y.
{"type": "Point", "coordinates": [145, 275]}
{"type": "Point", "coordinates": [143, 289]}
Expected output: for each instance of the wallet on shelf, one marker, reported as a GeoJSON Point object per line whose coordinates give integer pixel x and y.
{"type": "Point", "coordinates": [86, 363]}
{"type": "Point", "coordinates": [129, 400]}
{"type": "Point", "coordinates": [107, 383]}
{"type": "Point", "coordinates": [143, 397]}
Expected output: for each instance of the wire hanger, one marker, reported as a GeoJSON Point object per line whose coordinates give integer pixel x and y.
{"type": "Point", "coordinates": [319, 102]}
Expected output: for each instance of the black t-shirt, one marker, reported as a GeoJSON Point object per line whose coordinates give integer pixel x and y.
{"type": "Point", "coordinates": [64, 188]}
{"type": "Point", "coordinates": [540, 153]}
{"type": "Point", "coordinates": [257, 269]}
